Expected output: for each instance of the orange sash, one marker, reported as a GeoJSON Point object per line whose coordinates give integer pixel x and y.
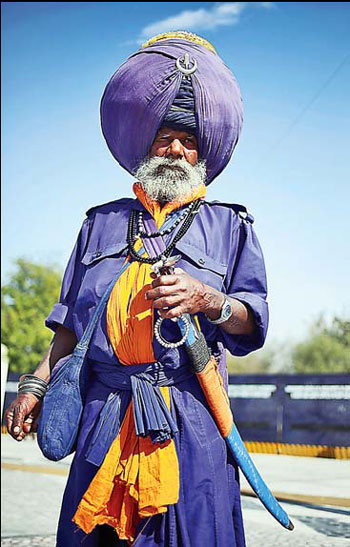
{"type": "Point", "coordinates": [137, 478]}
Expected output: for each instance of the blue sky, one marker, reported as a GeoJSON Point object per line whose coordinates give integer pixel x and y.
{"type": "Point", "coordinates": [290, 168]}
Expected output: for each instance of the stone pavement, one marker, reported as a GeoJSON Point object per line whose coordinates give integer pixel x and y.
{"type": "Point", "coordinates": [33, 487]}
{"type": "Point", "coordinates": [314, 527]}
{"type": "Point", "coordinates": [34, 541]}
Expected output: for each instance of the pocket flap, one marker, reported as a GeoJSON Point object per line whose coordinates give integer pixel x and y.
{"type": "Point", "coordinates": [116, 249]}
{"type": "Point", "coordinates": [200, 258]}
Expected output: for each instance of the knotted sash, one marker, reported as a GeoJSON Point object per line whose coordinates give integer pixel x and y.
{"type": "Point", "coordinates": [141, 384]}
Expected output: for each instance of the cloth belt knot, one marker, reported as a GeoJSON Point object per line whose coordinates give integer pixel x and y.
{"type": "Point", "coordinates": [139, 383]}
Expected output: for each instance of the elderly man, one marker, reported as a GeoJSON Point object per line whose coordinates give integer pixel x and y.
{"type": "Point", "coordinates": [151, 467]}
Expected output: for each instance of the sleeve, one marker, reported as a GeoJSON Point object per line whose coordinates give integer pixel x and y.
{"type": "Point", "coordinates": [246, 282]}
{"type": "Point", "coordinates": [62, 312]}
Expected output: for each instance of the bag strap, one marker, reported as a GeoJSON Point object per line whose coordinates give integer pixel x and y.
{"type": "Point", "coordinates": [83, 344]}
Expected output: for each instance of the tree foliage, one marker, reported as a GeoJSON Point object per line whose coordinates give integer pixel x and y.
{"type": "Point", "coordinates": [26, 300]}
{"type": "Point", "coordinates": [326, 351]}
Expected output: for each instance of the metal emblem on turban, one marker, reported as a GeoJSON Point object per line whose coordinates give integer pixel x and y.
{"type": "Point", "coordinates": [185, 65]}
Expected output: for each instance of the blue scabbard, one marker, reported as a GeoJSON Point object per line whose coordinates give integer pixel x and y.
{"type": "Point", "coordinates": [244, 461]}
{"type": "Point", "coordinates": [198, 352]}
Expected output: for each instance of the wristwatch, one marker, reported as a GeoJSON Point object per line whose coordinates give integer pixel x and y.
{"type": "Point", "coordinates": [226, 312]}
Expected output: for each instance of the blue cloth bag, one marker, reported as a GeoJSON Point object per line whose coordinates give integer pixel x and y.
{"type": "Point", "coordinates": [63, 403]}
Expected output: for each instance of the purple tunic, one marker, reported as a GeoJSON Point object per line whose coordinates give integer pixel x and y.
{"type": "Point", "coordinates": [220, 249]}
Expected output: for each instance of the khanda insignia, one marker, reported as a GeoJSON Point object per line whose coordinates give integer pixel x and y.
{"type": "Point", "coordinates": [185, 65]}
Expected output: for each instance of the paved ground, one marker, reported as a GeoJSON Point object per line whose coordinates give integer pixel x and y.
{"type": "Point", "coordinates": [32, 488]}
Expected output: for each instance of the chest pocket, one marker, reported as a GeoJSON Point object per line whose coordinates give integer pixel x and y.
{"type": "Point", "coordinates": [199, 264]}
{"type": "Point", "coordinates": [101, 265]}
{"type": "Point", "coordinates": [117, 250]}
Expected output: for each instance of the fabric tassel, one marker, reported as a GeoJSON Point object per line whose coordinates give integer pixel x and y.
{"type": "Point", "coordinates": [151, 414]}
{"type": "Point", "coordinates": [107, 427]}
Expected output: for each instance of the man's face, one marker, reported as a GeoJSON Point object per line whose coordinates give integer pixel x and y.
{"type": "Point", "coordinates": [173, 144]}
{"type": "Point", "coordinates": [172, 169]}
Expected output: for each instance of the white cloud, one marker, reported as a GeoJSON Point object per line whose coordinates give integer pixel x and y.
{"type": "Point", "coordinates": [224, 14]}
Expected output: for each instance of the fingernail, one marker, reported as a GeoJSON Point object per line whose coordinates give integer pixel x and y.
{"type": "Point", "coordinates": [16, 429]}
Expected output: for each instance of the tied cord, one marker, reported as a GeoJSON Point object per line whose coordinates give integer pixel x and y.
{"type": "Point", "coordinates": [151, 414]}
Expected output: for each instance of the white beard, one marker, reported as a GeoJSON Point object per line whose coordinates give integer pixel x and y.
{"type": "Point", "coordinates": [165, 179]}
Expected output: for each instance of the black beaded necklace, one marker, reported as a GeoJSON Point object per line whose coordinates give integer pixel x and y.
{"type": "Point", "coordinates": [133, 234]}
{"type": "Point", "coordinates": [161, 233]}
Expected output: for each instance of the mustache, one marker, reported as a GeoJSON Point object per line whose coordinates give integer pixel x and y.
{"type": "Point", "coordinates": [165, 179]}
{"type": "Point", "coordinates": [177, 166]}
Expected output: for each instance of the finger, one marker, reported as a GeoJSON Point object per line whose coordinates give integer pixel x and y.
{"type": "Point", "coordinates": [164, 280]}
{"type": "Point", "coordinates": [15, 433]}
{"type": "Point", "coordinates": [26, 428]}
{"type": "Point", "coordinates": [174, 312]}
{"type": "Point", "coordinates": [166, 302]}
{"type": "Point", "coordinates": [9, 420]}
{"type": "Point", "coordinates": [18, 419]}
{"type": "Point", "coordinates": [160, 292]}
{"type": "Point", "coordinates": [27, 424]}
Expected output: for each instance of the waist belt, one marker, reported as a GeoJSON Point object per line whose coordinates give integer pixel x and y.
{"type": "Point", "coordinates": [139, 384]}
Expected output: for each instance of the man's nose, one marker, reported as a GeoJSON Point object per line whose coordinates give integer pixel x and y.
{"type": "Point", "coordinates": [175, 150]}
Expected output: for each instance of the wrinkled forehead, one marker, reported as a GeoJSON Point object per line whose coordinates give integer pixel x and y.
{"type": "Point", "coordinates": [165, 130]}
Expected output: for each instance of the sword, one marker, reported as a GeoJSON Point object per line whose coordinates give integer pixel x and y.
{"type": "Point", "coordinates": [205, 367]}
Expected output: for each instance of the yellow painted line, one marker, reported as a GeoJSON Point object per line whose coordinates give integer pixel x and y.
{"type": "Point", "coordinates": [304, 498]}
{"type": "Point", "coordinates": [35, 468]}
{"type": "Point", "coordinates": [313, 451]}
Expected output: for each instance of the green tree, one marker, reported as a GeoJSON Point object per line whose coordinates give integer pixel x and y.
{"type": "Point", "coordinates": [327, 350]}
{"type": "Point", "coordinates": [26, 300]}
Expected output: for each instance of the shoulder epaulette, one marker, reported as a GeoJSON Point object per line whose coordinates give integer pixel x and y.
{"type": "Point", "coordinates": [115, 201]}
{"type": "Point", "coordinates": [240, 210]}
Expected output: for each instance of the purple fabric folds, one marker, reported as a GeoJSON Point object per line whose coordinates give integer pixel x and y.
{"type": "Point", "coordinates": [181, 114]}
{"type": "Point", "coordinates": [140, 93]}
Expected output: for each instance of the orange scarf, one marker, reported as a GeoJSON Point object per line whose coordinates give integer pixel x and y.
{"type": "Point", "coordinates": [137, 478]}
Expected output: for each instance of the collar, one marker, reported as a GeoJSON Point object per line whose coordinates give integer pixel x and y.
{"type": "Point", "coordinates": [159, 213]}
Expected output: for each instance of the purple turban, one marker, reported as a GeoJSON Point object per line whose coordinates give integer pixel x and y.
{"type": "Point", "coordinates": [138, 98]}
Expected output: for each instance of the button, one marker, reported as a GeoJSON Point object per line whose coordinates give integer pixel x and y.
{"type": "Point", "coordinates": [201, 261]}
{"type": "Point", "coordinates": [99, 253]}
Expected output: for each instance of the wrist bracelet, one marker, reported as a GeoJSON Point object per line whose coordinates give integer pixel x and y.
{"type": "Point", "coordinates": [29, 383]}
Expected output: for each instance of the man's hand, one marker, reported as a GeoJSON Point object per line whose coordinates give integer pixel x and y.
{"type": "Point", "coordinates": [21, 416]}
{"type": "Point", "coordinates": [183, 293]}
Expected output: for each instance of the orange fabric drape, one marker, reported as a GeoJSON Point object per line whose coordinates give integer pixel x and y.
{"type": "Point", "coordinates": [137, 478]}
